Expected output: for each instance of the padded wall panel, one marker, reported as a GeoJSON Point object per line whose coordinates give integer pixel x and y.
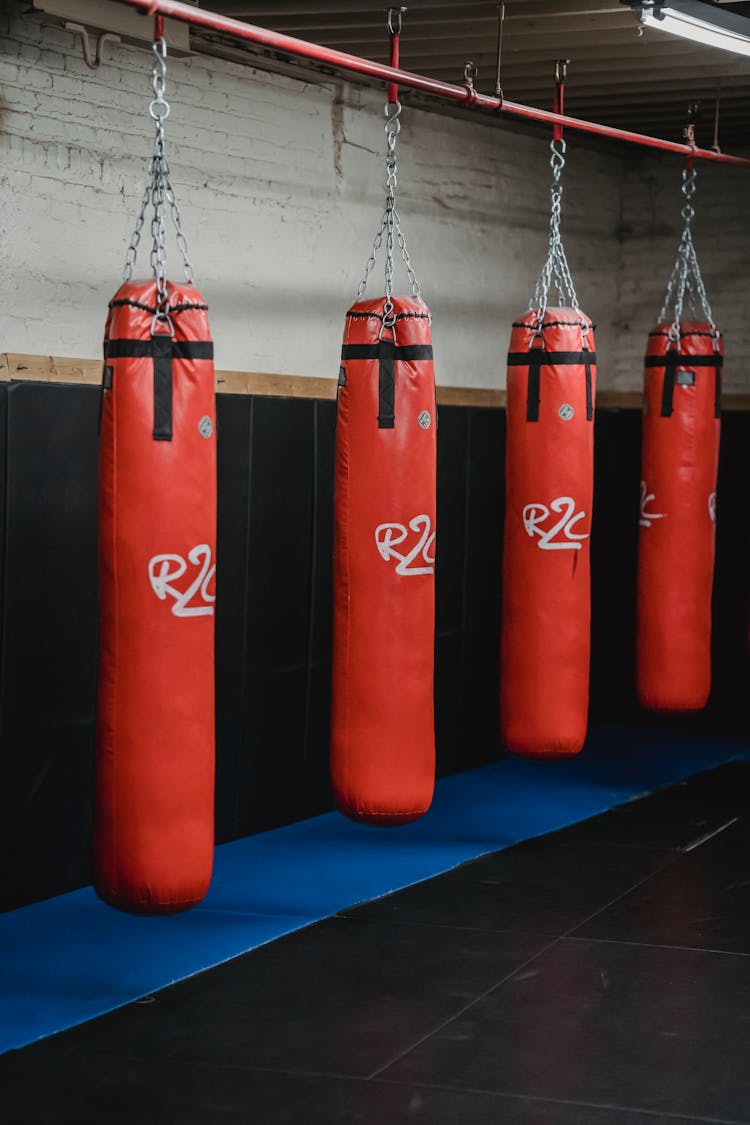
{"type": "Point", "coordinates": [278, 611]}
{"type": "Point", "coordinates": [614, 554]}
{"type": "Point", "coordinates": [48, 693]}
{"type": "Point", "coordinates": [483, 603]}
{"type": "Point", "coordinates": [727, 707]}
{"type": "Point", "coordinates": [314, 780]}
{"type": "Point", "coordinates": [234, 421]}
{"type": "Point", "coordinates": [450, 582]}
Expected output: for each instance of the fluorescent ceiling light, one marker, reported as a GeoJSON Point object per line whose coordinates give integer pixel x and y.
{"type": "Point", "coordinates": [698, 21]}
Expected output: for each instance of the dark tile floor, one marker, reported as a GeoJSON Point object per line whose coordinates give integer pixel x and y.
{"type": "Point", "coordinates": [597, 975]}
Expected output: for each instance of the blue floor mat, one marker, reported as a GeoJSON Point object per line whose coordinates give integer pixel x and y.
{"type": "Point", "coordinates": [72, 958]}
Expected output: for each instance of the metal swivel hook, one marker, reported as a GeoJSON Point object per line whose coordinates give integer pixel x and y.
{"type": "Point", "coordinates": [396, 13]}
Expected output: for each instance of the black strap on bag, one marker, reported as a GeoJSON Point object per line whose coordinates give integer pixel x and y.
{"type": "Point", "coordinates": [675, 365]}
{"type": "Point", "coordinates": [162, 350]}
{"type": "Point", "coordinates": [388, 353]}
{"type": "Point", "coordinates": [537, 358]}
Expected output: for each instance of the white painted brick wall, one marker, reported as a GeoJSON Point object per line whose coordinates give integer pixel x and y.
{"type": "Point", "coordinates": [280, 185]}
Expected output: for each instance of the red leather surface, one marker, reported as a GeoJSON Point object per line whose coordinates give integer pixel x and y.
{"type": "Point", "coordinates": [382, 737]}
{"type": "Point", "coordinates": [680, 462]}
{"type": "Point", "coordinates": [545, 646]}
{"type": "Point", "coordinates": [153, 836]}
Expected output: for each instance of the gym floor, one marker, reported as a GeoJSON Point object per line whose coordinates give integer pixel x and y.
{"type": "Point", "coordinates": [599, 974]}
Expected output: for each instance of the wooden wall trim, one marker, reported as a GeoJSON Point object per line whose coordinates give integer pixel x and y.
{"type": "Point", "coordinates": [15, 366]}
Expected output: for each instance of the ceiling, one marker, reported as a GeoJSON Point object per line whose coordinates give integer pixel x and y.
{"type": "Point", "coordinates": [644, 83]}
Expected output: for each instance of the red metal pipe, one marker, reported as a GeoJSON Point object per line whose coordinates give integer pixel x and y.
{"type": "Point", "coordinates": [174, 9]}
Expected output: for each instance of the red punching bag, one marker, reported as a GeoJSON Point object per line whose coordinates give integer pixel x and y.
{"type": "Point", "coordinates": [549, 481]}
{"type": "Point", "coordinates": [153, 841]}
{"type": "Point", "coordinates": [153, 822]}
{"type": "Point", "coordinates": [549, 478]}
{"type": "Point", "coordinates": [382, 738]}
{"type": "Point", "coordinates": [382, 718]}
{"type": "Point", "coordinates": [680, 459]}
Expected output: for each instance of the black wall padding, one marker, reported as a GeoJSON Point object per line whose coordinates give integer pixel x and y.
{"type": "Point", "coordinates": [49, 637]}
{"type": "Point", "coordinates": [273, 623]}
{"type": "Point", "coordinates": [614, 557]}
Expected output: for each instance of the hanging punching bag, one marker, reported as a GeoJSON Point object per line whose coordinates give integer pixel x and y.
{"type": "Point", "coordinates": [680, 458]}
{"type": "Point", "coordinates": [382, 718]}
{"type": "Point", "coordinates": [682, 400]}
{"type": "Point", "coordinates": [382, 738]}
{"type": "Point", "coordinates": [545, 647]}
{"type": "Point", "coordinates": [549, 475]}
{"type": "Point", "coordinates": [153, 817]}
{"type": "Point", "coordinates": [153, 838]}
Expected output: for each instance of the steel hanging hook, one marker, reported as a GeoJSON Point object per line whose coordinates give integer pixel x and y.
{"type": "Point", "coordinates": [93, 59]}
{"type": "Point", "coordinates": [688, 132]}
{"type": "Point", "coordinates": [470, 73]}
{"type": "Point", "coordinates": [398, 13]}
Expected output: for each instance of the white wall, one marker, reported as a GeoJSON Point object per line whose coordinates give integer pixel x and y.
{"type": "Point", "coordinates": [281, 189]}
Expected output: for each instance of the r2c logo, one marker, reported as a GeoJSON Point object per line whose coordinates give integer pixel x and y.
{"type": "Point", "coordinates": [165, 570]}
{"type": "Point", "coordinates": [560, 536]}
{"type": "Point", "coordinates": [647, 517]}
{"type": "Point", "coordinates": [388, 536]}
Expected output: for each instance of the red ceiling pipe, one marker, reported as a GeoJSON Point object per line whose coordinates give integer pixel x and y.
{"type": "Point", "coordinates": [173, 9]}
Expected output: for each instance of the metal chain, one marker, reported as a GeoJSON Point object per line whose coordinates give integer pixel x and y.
{"type": "Point", "coordinates": [390, 224]}
{"type": "Point", "coordinates": [555, 272]}
{"type": "Point", "coordinates": [685, 279]}
{"type": "Point", "coordinates": [159, 193]}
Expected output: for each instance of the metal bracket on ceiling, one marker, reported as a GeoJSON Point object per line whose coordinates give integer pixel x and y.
{"type": "Point", "coordinates": [92, 58]}
{"type": "Point", "coordinates": [688, 132]}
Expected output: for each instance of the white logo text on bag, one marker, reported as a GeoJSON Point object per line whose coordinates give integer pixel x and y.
{"type": "Point", "coordinates": [165, 570]}
{"type": "Point", "coordinates": [646, 516]}
{"type": "Point", "coordinates": [388, 536]}
{"type": "Point", "coordinates": [712, 506]}
{"type": "Point", "coordinates": [560, 536]}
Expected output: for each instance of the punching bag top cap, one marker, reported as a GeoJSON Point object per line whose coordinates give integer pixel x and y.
{"type": "Point", "coordinates": [687, 328]}
{"type": "Point", "coordinates": [555, 318]}
{"type": "Point", "coordinates": [142, 295]}
{"type": "Point", "coordinates": [405, 308]}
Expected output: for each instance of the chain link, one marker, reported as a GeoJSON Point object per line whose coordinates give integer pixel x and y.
{"type": "Point", "coordinates": [555, 273]}
{"type": "Point", "coordinates": [159, 193]}
{"type": "Point", "coordinates": [390, 224]}
{"type": "Point", "coordinates": [685, 281]}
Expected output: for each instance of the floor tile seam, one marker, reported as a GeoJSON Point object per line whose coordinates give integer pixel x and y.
{"type": "Point", "coordinates": [708, 836]}
{"type": "Point", "coordinates": [674, 858]}
{"type": "Point", "coordinates": [519, 968]}
{"type": "Point", "coordinates": [658, 945]}
{"type": "Point", "coordinates": [659, 1114]}
{"type": "Point", "coordinates": [463, 1009]}
{"type": "Point", "coordinates": [447, 926]}
{"type": "Point", "coordinates": [620, 847]}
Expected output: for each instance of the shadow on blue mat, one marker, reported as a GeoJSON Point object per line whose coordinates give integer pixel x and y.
{"type": "Point", "coordinates": [72, 958]}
